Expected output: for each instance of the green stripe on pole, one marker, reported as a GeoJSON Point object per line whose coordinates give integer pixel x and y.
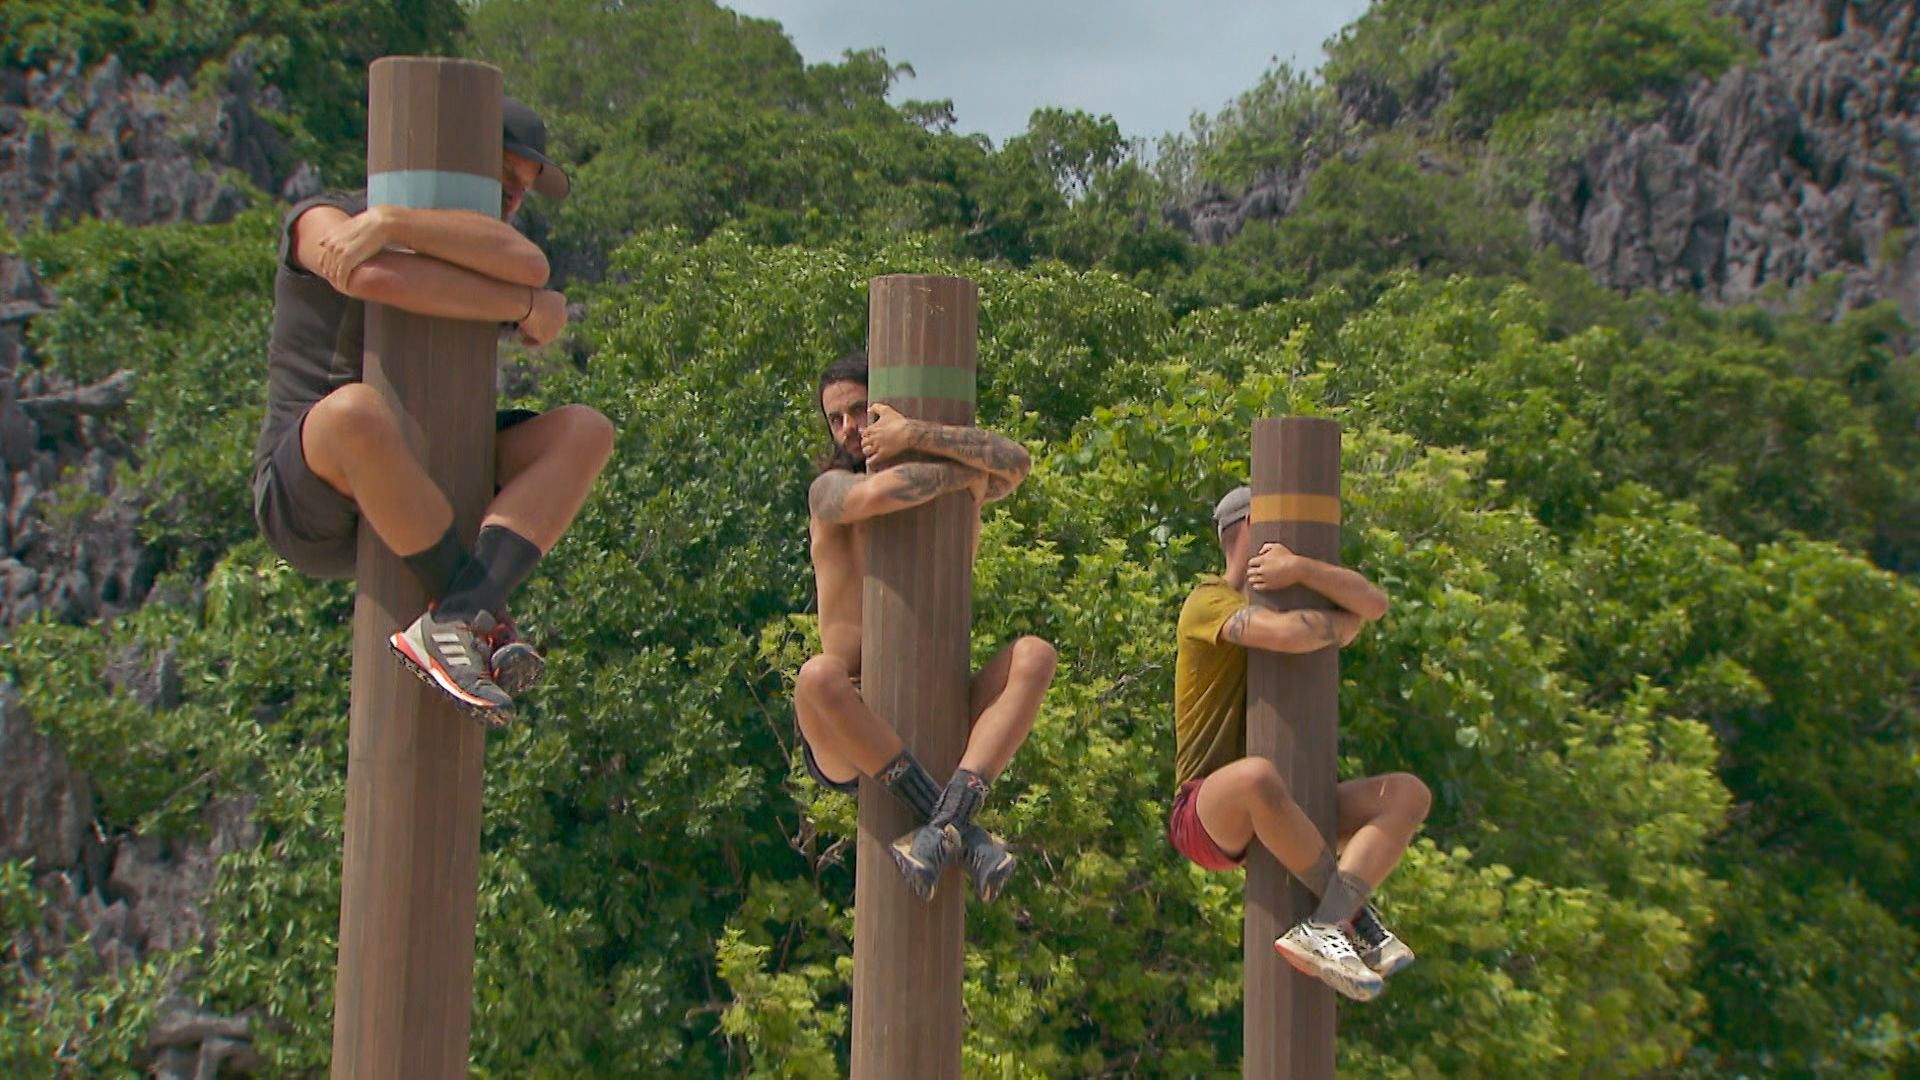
{"type": "Point", "coordinates": [431, 189]}
{"type": "Point", "coordinates": [950, 383]}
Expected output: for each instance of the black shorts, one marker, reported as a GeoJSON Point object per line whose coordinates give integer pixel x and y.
{"type": "Point", "coordinates": [845, 787]}
{"type": "Point", "coordinates": [306, 521]}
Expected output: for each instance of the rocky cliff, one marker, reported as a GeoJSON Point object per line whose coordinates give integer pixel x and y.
{"type": "Point", "coordinates": [1802, 163]}
{"type": "Point", "coordinates": [103, 144]}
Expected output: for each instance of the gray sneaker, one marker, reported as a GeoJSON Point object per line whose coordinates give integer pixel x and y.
{"type": "Point", "coordinates": [1324, 952]}
{"type": "Point", "coordinates": [456, 659]}
{"type": "Point", "coordinates": [1377, 946]}
{"type": "Point", "coordinates": [922, 856]}
{"type": "Point", "coordinates": [516, 666]}
{"type": "Point", "coordinates": [986, 860]}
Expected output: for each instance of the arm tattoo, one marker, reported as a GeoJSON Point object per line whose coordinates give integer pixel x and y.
{"type": "Point", "coordinates": [972, 446]}
{"type": "Point", "coordinates": [920, 481]}
{"type": "Point", "coordinates": [828, 497]}
{"type": "Point", "coordinates": [1322, 625]}
{"type": "Point", "coordinates": [1236, 628]}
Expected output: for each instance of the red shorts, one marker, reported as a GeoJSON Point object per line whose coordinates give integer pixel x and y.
{"type": "Point", "coordinates": [1190, 838]}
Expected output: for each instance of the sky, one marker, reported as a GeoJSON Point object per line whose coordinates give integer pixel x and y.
{"type": "Point", "coordinates": [1150, 64]}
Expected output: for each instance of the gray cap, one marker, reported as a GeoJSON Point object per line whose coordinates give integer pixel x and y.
{"type": "Point", "coordinates": [1234, 506]}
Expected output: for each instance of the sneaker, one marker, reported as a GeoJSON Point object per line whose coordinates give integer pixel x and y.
{"type": "Point", "coordinates": [1377, 946]}
{"type": "Point", "coordinates": [1324, 952]}
{"type": "Point", "coordinates": [516, 666]}
{"type": "Point", "coordinates": [922, 856]}
{"type": "Point", "coordinates": [450, 657]}
{"type": "Point", "coordinates": [986, 860]}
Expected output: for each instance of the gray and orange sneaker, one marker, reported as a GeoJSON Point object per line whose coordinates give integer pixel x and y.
{"type": "Point", "coordinates": [516, 666]}
{"type": "Point", "coordinates": [456, 659]}
{"type": "Point", "coordinates": [986, 860]}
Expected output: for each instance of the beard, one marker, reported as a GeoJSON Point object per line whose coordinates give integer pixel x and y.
{"type": "Point", "coordinates": [842, 458]}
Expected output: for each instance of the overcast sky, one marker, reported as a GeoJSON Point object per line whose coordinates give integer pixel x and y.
{"type": "Point", "coordinates": [1148, 63]}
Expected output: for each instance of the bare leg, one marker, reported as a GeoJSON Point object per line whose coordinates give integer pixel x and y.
{"type": "Point", "coordinates": [352, 441]}
{"type": "Point", "coordinates": [1249, 800]}
{"type": "Point", "coordinates": [545, 467]}
{"type": "Point", "coordinates": [847, 738]}
{"type": "Point", "coordinates": [1378, 817]}
{"type": "Point", "coordinates": [1004, 701]}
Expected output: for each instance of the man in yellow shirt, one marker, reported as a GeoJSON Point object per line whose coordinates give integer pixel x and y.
{"type": "Point", "coordinates": [1227, 800]}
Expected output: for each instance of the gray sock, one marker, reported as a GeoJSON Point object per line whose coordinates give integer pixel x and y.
{"type": "Point", "coordinates": [1346, 894]}
{"type": "Point", "coordinates": [910, 783]}
{"type": "Point", "coordinates": [1319, 874]}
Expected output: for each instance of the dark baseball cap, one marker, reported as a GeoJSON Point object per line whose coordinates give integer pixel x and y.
{"type": "Point", "coordinates": [524, 133]}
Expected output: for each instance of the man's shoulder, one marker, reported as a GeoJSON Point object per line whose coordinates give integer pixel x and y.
{"type": "Point", "coordinates": [824, 495]}
{"type": "Point", "coordinates": [1213, 590]}
{"type": "Point", "coordinates": [351, 202]}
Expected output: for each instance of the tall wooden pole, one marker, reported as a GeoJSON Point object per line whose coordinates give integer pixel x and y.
{"type": "Point", "coordinates": [404, 995]}
{"type": "Point", "coordinates": [918, 615]}
{"type": "Point", "coordinates": [1293, 718]}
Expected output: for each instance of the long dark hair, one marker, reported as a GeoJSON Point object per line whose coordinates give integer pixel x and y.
{"type": "Point", "coordinates": [849, 368]}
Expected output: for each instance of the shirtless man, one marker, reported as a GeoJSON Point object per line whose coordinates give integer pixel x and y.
{"type": "Point", "coordinates": [1228, 801]}
{"type": "Point", "coordinates": [840, 736]}
{"type": "Point", "coordinates": [331, 450]}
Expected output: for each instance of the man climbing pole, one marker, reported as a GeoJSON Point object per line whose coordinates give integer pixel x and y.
{"type": "Point", "coordinates": [1226, 800]}
{"type": "Point", "coordinates": [332, 450]}
{"type": "Point", "coordinates": [841, 737]}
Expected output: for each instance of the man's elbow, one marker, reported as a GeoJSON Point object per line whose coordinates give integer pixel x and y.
{"type": "Point", "coordinates": [529, 268]}
{"type": "Point", "coordinates": [376, 281]}
{"type": "Point", "coordinates": [1374, 609]}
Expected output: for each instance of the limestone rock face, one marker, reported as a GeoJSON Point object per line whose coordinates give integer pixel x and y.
{"type": "Point", "coordinates": [45, 804]}
{"type": "Point", "coordinates": [102, 143]}
{"type": "Point", "coordinates": [1801, 164]}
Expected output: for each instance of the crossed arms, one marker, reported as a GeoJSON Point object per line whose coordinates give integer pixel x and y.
{"type": "Point", "coordinates": [1357, 601]}
{"type": "Point", "coordinates": [453, 264]}
{"type": "Point", "coordinates": [968, 459]}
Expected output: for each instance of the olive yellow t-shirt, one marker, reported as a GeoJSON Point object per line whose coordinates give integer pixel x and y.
{"type": "Point", "coordinates": [1209, 685]}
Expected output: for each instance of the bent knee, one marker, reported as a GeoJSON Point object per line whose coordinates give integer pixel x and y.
{"type": "Point", "coordinates": [355, 413]}
{"type": "Point", "coordinates": [1408, 796]}
{"type": "Point", "coordinates": [1035, 658]}
{"type": "Point", "coordinates": [588, 432]}
{"type": "Point", "coordinates": [1259, 778]}
{"type": "Point", "coordinates": [817, 675]}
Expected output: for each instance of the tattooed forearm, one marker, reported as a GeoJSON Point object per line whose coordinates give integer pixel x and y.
{"type": "Point", "coordinates": [1322, 626]}
{"type": "Point", "coordinates": [919, 481]}
{"type": "Point", "coordinates": [983, 450]}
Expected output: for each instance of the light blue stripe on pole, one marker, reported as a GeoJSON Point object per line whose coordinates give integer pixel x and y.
{"type": "Point", "coordinates": [431, 189]}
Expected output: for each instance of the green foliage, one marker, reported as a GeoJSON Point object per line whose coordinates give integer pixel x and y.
{"type": "Point", "coordinates": [1640, 647]}
{"type": "Point", "coordinates": [1512, 62]}
{"type": "Point", "coordinates": [179, 306]}
{"type": "Point", "coordinates": [317, 52]}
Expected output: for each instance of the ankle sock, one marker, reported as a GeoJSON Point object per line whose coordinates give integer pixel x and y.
{"type": "Point", "coordinates": [501, 560]}
{"type": "Point", "coordinates": [962, 798]}
{"type": "Point", "coordinates": [439, 565]}
{"type": "Point", "coordinates": [910, 783]}
{"type": "Point", "coordinates": [1320, 874]}
{"type": "Point", "coordinates": [1346, 894]}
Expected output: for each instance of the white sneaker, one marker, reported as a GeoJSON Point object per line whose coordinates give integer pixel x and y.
{"type": "Point", "coordinates": [1325, 953]}
{"type": "Point", "coordinates": [1379, 949]}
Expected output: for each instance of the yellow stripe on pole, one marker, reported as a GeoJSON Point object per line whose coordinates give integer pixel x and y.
{"type": "Point", "coordinates": [1321, 509]}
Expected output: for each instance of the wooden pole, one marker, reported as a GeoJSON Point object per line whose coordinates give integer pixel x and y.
{"type": "Point", "coordinates": [404, 996]}
{"type": "Point", "coordinates": [918, 615]}
{"type": "Point", "coordinates": [1293, 719]}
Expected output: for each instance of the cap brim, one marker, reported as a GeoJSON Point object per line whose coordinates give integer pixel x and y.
{"type": "Point", "coordinates": [553, 181]}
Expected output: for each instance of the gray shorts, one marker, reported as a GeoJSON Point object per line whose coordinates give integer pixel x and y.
{"type": "Point", "coordinates": [308, 523]}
